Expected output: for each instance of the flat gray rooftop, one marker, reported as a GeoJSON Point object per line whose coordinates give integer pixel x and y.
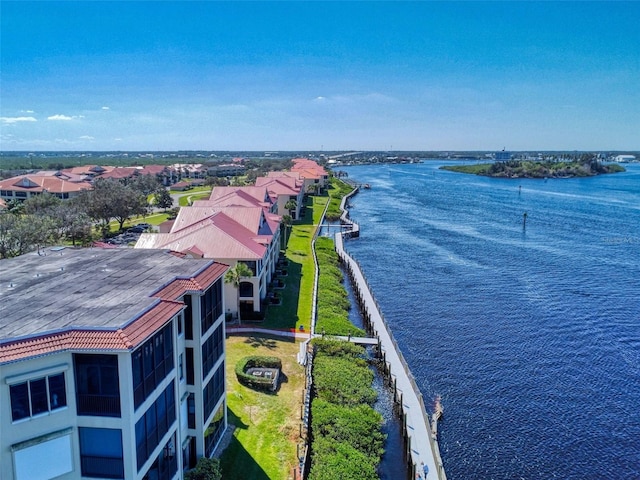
{"type": "Point", "coordinates": [91, 287]}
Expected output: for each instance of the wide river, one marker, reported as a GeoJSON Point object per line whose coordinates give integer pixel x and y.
{"type": "Point", "coordinates": [530, 335]}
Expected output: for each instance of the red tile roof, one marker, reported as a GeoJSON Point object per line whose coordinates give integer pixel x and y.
{"type": "Point", "coordinates": [41, 183]}
{"type": "Point", "coordinates": [279, 186]}
{"type": "Point", "coordinates": [307, 167]}
{"type": "Point", "coordinates": [152, 169]}
{"type": "Point", "coordinates": [213, 231]}
{"type": "Point", "coordinates": [120, 172]}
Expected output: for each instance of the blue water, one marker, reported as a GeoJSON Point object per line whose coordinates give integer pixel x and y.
{"type": "Point", "coordinates": [531, 336]}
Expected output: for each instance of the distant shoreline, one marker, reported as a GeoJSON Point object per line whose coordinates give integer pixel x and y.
{"type": "Point", "coordinates": [543, 170]}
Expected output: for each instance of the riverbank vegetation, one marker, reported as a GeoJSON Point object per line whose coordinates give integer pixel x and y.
{"type": "Point", "coordinates": [347, 440]}
{"type": "Point", "coordinates": [333, 303]}
{"type": "Point", "coordinates": [585, 167]}
{"type": "Point", "coordinates": [336, 189]}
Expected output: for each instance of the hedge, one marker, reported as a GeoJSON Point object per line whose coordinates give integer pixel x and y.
{"type": "Point", "coordinates": [333, 302]}
{"type": "Point", "coordinates": [347, 440]}
{"type": "Point", "coordinates": [256, 361]}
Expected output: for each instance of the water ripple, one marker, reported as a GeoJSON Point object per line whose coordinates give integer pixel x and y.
{"type": "Point", "coordinates": [531, 336]}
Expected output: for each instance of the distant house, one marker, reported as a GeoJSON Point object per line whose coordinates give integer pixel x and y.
{"type": "Point", "coordinates": [112, 364]}
{"type": "Point", "coordinates": [281, 190]}
{"type": "Point", "coordinates": [502, 156]}
{"type": "Point", "coordinates": [227, 170]}
{"type": "Point", "coordinates": [311, 172]}
{"type": "Point", "coordinates": [229, 234]}
{"type": "Point", "coordinates": [624, 158]}
{"type": "Point", "coordinates": [120, 173]}
{"type": "Point", "coordinates": [166, 175]}
{"type": "Point", "coordinates": [246, 196]}
{"type": "Point", "coordinates": [181, 186]}
{"type": "Point", "coordinates": [23, 187]}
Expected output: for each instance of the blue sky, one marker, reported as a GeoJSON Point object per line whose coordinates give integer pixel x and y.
{"type": "Point", "coordinates": [320, 75]}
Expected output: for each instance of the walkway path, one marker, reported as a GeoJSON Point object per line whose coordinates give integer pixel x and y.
{"type": "Point", "coordinates": [422, 444]}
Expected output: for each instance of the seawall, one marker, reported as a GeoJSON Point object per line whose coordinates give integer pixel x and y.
{"type": "Point", "coordinates": [421, 444]}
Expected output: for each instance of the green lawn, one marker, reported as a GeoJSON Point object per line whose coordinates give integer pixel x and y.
{"type": "Point", "coordinates": [153, 219]}
{"type": "Point", "coordinates": [295, 309]}
{"type": "Point", "coordinates": [185, 199]}
{"type": "Point", "coordinates": [267, 424]}
{"type": "Point", "coordinates": [203, 188]}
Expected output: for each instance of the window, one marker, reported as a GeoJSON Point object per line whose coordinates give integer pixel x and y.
{"type": "Point", "coordinates": [151, 363]}
{"type": "Point", "coordinates": [165, 466]}
{"type": "Point", "coordinates": [154, 425]}
{"type": "Point", "coordinates": [191, 409]}
{"type": "Point", "coordinates": [190, 366]}
{"type": "Point", "coordinates": [214, 431]}
{"type": "Point", "coordinates": [213, 392]}
{"type": "Point", "coordinates": [97, 385]}
{"type": "Point", "coordinates": [246, 289]}
{"type": "Point", "coordinates": [211, 306]}
{"type": "Point", "coordinates": [188, 318]}
{"type": "Point", "coordinates": [101, 452]}
{"type": "Point", "coordinates": [181, 366]}
{"type": "Point", "coordinates": [212, 350]}
{"type": "Point", "coordinates": [40, 395]}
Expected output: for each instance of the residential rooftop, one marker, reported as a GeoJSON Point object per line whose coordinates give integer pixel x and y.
{"type": "Point", "coordinates": [100, 289]}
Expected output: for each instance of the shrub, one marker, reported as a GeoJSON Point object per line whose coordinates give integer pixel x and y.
{"type": "Point", "coordinates": [333, 302]}
{"type": "Point", "coordinates": [205, 469]}
{"type": "Point", "coordinates": [343, 381]}
{"type": "Point", "coordinates": [346, 430]}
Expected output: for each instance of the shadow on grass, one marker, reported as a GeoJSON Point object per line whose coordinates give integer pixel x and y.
{"type": "Point", "coordinates": [285, 315]}
{"type": "Point", "coordinates": [236, 462]}
{"type": "Point", "coordinates": [235, 420]}
{"type": "Point", "coordinates": [266, 342]}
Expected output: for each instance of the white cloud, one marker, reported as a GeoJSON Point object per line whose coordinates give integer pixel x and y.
{"type": "Point", "coordinates": [27, 111]}
{"type": "Point", "coordinates": [87, 137]}
{"type": "Point", "coordinates": [65, 118]}
{"type": "Point", "coordinates": [17, 119]}
{"type": "Point", "coordinates": [319, 99]}
{"type": "Point", "coordinates": [106, 108]}
{"type": "Point", "coordinates": [60, 117]}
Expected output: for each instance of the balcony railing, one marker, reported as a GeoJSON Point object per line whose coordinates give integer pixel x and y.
{"type": "Point", "coordinates": [102, 467]}
{"type": "Point", "coordinates": [99, 405]}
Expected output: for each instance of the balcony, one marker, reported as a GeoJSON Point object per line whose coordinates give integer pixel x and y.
{"type": "Point", "coordinates": [99, 405]}
{"type": "Point", "coordinates": [101, 467]}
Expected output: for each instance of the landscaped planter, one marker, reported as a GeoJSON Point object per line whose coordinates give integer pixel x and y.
{"type": "Point", "coordinates": [258, 372]}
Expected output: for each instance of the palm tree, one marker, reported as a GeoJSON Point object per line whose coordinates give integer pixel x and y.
{"type": "Point", "coordinates": [234, 276]}
{"type": "Point", "coordinates": [291, 205]}
{"type": "Point", "coordinates": [286, 223]}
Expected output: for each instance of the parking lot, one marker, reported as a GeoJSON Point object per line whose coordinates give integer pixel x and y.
{"type": "Point", "coordinates": [129, 236]}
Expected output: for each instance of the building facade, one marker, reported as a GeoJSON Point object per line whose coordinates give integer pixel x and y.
{"type": "Point", "coordinates": [111, 364]}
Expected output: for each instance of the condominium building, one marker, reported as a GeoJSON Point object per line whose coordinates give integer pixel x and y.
{"type": "Point", "coordinates": [231, 234]}
{"type": "Point", "coordinates": [112, 364]}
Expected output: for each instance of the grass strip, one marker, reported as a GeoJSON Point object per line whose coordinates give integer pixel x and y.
{"type": "Point", "coordinates": [297, 296]}
{"type": "Point", "coordinates": [266, 424]}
